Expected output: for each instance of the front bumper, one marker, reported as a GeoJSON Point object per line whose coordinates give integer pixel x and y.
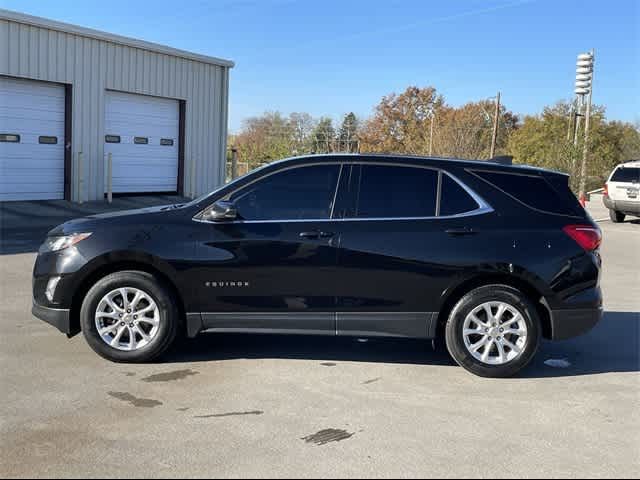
{"type": "Point", "coordinates": [572, 323]}
{"type": "Point", "coordinates": [58, 317]}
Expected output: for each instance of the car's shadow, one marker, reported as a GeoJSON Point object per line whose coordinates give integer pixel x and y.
{"type": "Point", "coordinates": [612, 346]}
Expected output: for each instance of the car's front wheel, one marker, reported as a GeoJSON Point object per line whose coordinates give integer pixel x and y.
{"type": "Point", "coordinates": [493, 331]}
{"type": "Point", "coordinates": [129, 316]}
{"type": "Point", "coordinates": [616, 217]}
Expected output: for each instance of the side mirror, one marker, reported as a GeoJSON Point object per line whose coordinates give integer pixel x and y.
{"type": "Point", "coordinates": [222, 210]}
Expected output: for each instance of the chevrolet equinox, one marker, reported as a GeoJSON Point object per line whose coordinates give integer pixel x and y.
{"type": "Point", "coordinates": [488, 257]}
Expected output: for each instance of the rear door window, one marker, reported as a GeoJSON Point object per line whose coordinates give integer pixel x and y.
{"type": "Point", "coordinates": [532, 190]}
{"type": "Point", "coordinates": [389, 191]}
{"type": "Point", "coordinates": [626, 174]}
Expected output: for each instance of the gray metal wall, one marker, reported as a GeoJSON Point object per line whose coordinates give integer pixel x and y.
{"type": "Point", "coordinates": [93, 65]}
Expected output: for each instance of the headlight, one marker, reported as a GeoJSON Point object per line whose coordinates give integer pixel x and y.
{"type": "Point", "coordinates": [53, 244]}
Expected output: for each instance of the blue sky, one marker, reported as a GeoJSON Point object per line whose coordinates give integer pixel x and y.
{"type": "Point", "coordinates": [332, 57]}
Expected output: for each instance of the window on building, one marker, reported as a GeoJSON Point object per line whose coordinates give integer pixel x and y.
{"type": "Point", "coordinates": [9, 138]}
{"type": "Point", "coordinates": [47, 140]}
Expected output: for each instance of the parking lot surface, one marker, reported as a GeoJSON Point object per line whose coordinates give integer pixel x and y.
{"type": "Point", "coordinates": [265, 406]}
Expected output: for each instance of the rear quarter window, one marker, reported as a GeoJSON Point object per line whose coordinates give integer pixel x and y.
{"type": "Point", "coordinates": [454, 200]}
{"type": "Point", "coordinates": [532, 190]}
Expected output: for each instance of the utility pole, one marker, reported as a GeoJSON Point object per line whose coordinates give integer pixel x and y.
{"type": "Point", "coordinates": [234, 163]}
{"type": "Point", "coordinates": [585, 60]}
{"type": "Point", "coordinates": [433, 115]}
{"type": "Point", "coordinates": [578, 115]}
{"type": "Point", "coordinates": [572, 116]}
{"type": "Point", "coordinates": [496, 118]}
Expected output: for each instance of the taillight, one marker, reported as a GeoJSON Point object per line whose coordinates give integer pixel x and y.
{"type": "Point", "coordinates": [587, 236]}
{"type": "Point", "coordinates": [606, 190]}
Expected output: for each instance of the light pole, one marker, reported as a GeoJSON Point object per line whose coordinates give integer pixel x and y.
{"type": "Point", "coordinates": [584, 88]}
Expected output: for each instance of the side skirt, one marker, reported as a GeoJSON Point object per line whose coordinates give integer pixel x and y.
{"type": "Point", "coordinates": [387, 324]}
{"type": "Point", "coordinates": [362, 324]}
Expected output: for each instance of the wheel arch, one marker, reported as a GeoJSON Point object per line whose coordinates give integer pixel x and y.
{"type": "Point", "coordinates": [451, 297]}
{"type": "Point", "coordinates": [102, 268]}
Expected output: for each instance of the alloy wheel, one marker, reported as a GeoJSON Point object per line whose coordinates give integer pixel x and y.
{"type": "Point", "coordinates": [127, 319]}
{"type": "Point", "coordinates": [495, 333]}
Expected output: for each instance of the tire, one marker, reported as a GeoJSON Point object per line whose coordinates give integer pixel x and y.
{"type": "Point", "coordinates": [163, 313]}
{"type": "Point", "coordinates": [525, 345]}
{"type": "Point", "coordinates": [616, 217]}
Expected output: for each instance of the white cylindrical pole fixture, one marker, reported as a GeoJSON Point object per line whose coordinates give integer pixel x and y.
{"type": "Point", "coordinates": [110, 177]}
{"type": "Point", "coordinates": [80, 175]}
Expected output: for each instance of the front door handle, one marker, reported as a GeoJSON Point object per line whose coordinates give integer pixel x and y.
{"type": "Point", "coordinates": [460, 231]}
{"type": "Point", "coordinates": [315, 234]}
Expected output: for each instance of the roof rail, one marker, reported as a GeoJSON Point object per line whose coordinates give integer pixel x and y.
{"type": "Point", "coordinates": [502, 159]}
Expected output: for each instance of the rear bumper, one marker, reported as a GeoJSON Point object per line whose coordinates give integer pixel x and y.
{"type": "Point", "coordinates": [572, 323]}
{"type": "Point", "coordinates": [624, 206]}
{"type": "Point", "coordinates": [57, 317]}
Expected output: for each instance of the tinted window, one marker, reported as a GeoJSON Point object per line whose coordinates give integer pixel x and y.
{"type": "Point", "coordinates": [533, 191]}
{"type": "Point", "coordinates": [454, 199]}
{"type": "Point", "coordinates": [626, 174]}
{"type": "Point", "coordinates": [389, 191]}
{"type": "Point", "coordinates": [299, 193]}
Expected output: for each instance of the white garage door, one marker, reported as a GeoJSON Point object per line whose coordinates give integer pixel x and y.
{"type": "Point", "coordinates": [31, 140]}
{"type": "Point", "coordinates": [141, 133]}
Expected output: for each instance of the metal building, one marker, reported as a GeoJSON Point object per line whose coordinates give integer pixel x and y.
{"type": "Point", "coordinates": [70, 96]}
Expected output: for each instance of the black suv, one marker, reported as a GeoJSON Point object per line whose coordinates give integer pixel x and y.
{"type": "Point", "coordinates": [488, 257]}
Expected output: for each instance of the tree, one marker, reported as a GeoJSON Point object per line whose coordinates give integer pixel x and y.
{"type": "Point", "coordinates": [465, 132]}
{"type": "Point", "coordinates": [323, 136]}
{"type": "Point", "coordinates": [264, 139]}
{"type": "Point", "coordinates": [348, 134]}
{"type": "Point", "coordinates": [401, 122]}
{"type": "Point", "coordinates": [302, 125]}
{"type": "Point", "coordinates": [542, 141]}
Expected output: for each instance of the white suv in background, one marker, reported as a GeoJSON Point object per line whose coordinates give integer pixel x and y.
{"type": "Point", "coordinates": [622, 191]}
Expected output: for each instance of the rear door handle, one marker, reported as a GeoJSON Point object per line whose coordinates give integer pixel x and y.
{"type": "Point", "coordinates": [460, 231]}
{"type": "Point", "coordinates": [315, 234]}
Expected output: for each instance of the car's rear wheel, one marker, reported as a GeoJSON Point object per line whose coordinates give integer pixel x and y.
{"type": "Point", "coordinates": [129, 316]}
{"type": "Point", "coordinates": [616, 217]}
{"type": "Point", "coordinates": [493, 331]}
